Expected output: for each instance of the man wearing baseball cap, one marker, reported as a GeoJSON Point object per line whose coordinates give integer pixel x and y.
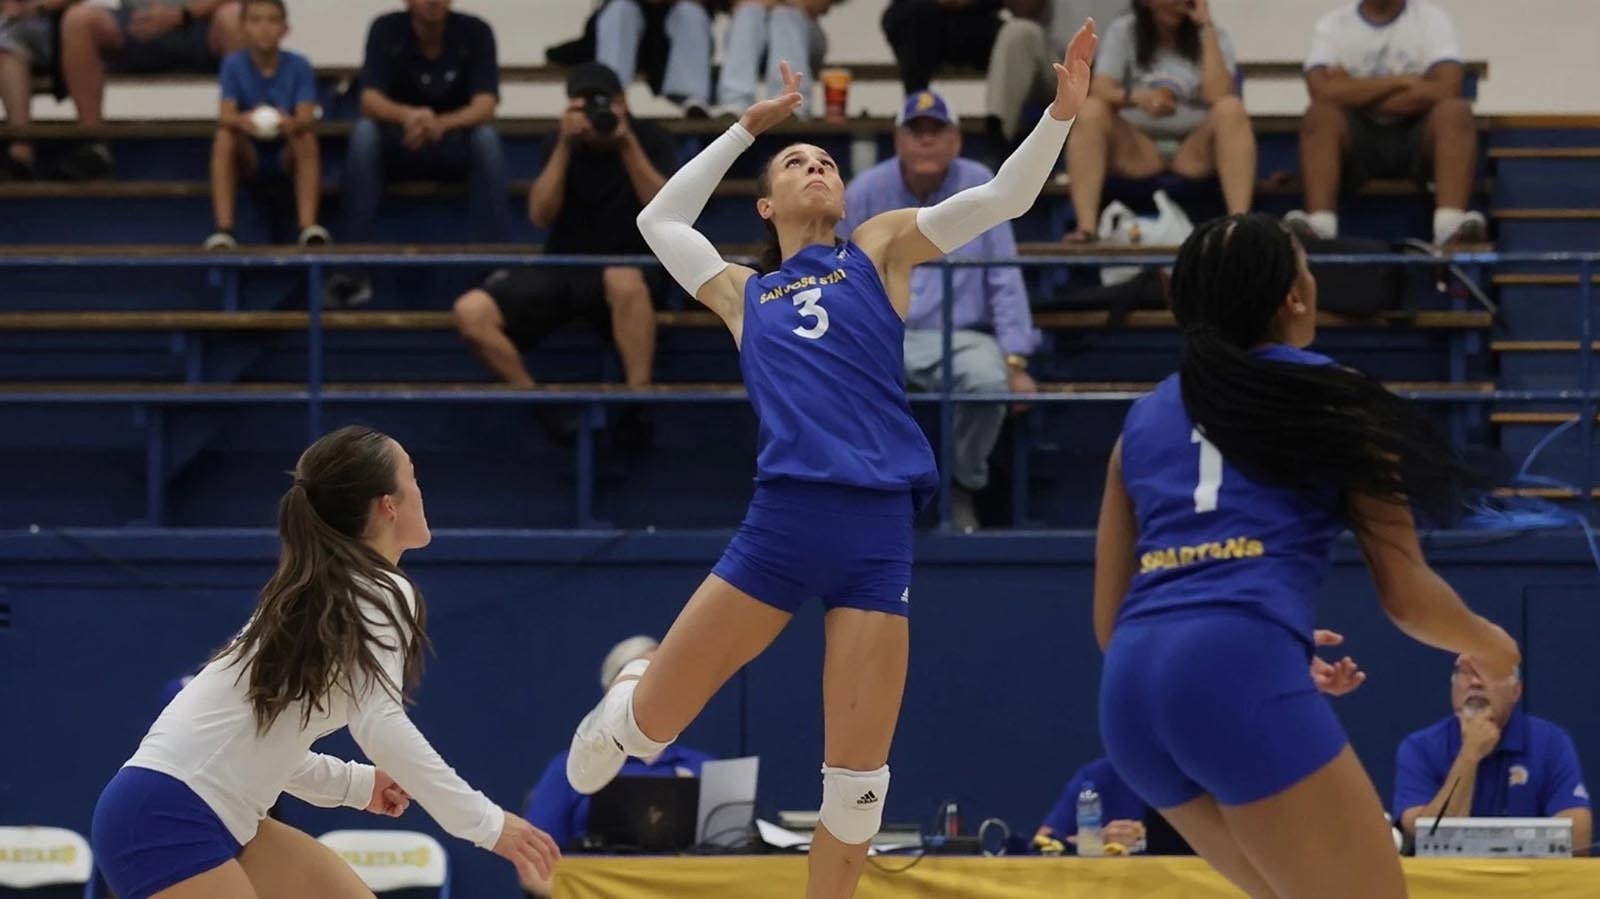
{"type": "Point", "coordinates": [994, 333]}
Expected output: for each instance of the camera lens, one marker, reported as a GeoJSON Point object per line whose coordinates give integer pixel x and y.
{"type": "Point", "coordinates": [601, 117]}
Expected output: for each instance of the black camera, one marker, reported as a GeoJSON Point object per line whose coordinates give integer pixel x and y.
{"type": "Point", "coordinates": [602, 118]}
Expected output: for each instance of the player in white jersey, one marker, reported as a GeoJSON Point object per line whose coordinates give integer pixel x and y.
{"type": "Point", "coordinates": [336, 640]}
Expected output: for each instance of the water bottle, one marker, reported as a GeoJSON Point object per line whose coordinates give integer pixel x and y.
{"type": "Point", "coordinates": [1091, 831]}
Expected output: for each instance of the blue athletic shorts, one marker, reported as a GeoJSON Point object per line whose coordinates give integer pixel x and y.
{"type": "Point", "coordinates": [152, 832]}
{"type": "Point", "coordinates": [1212, 701]}
{"type": "Point", "coordinates": [848, 546]}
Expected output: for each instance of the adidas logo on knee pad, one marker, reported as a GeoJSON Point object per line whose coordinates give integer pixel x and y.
{"type": "Point", "coordinates": [852, 803]}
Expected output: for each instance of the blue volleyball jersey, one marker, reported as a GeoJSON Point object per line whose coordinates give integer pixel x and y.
{"type": "Point", "coordinates": [823, 356]}
{"type": "Point", "coordinates": [1209, 536]}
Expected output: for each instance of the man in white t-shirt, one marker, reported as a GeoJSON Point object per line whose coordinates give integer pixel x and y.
{"type": "Point", "coordinates": [1386, 102]}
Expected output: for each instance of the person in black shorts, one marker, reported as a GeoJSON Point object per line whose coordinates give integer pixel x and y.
{"type": "Point", "coordinates": [141, 37]}
{"type": "Point", "coordinates": [602, 169]}
{"type": "Point", "coordinates": [1388, 100]}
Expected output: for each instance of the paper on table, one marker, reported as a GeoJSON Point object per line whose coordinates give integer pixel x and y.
{"type": "Point", "coordinates": [778, 838]}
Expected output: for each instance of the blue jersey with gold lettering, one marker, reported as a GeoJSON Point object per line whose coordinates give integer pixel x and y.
{"type": "Point", "coordinates": [823, 356]}
{"type": "Point", "coordinates": [1209, 536]}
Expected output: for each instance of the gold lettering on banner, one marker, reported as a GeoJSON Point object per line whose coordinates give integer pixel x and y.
{"type": "Point", "coordinates": [38, 855]}
{"type": "Point", "coordinates": [387, 858]}
{"type": "Point", "coordinates": [1183, 556]}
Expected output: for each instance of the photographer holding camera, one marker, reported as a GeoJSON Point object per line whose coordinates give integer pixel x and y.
{"type": "Point", "coordinates": [603, 167]}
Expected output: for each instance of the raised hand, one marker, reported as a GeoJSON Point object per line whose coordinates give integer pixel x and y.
{"type": "Point", "coordinates": [768, 113]}
{"type": "Point", "coordinates": [1073, 73]}
{"type": "Point", "coordinates": [1200, 12]}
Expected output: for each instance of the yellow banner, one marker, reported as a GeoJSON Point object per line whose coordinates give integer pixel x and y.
{"type": "Point", "coordinates": [783, 877]}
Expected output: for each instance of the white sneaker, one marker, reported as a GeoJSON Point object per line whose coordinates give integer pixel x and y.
{"type": "Point", "coordinates": [596, 756]}
{"type": "Point", "coordinates": [1298, 221]}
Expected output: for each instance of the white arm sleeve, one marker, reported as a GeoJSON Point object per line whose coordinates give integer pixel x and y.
{"type": "Point", "coordinates": [1010, 193]}
{"type": "Point", "coordinates": [325, 781]}
{"type": "Point", "coordinates": [667, 224]}
{"type": "Point", "coordinates": [386, 734]}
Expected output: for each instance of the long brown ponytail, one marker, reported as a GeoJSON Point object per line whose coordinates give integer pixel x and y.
{"type": "Point", "coordinates": [313, 627]}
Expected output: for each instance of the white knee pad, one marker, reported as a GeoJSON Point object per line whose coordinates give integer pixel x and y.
{"type": "Point", "coordinates": [852, 803]}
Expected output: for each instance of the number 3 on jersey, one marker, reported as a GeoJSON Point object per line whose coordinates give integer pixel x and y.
{"type": "Point", "coordinates": [808, 300]}
{"type": "Point", "coordinates": [1210, 484]}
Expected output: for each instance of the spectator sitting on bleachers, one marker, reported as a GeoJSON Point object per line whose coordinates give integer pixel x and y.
{"type": "Point", "coordinates": [1029, 44]}
{"type": "Point", "coordinates": [263, 76]}
{"type": "Point", "coordinates": [777, 30]}
{"type": "Point", "coordinates": [1164, 99]}
{"type": "Point", "coordinates": [27, 42]}
{"type": "Point", "coordinates": [430, 87]}
{"type": "Point", "coordinates": [601, 169]}
{"type": "Point", "coordinates": [994, 327]}
{"type": "Point", "coordinates": [670, 40]}
{"type": "Point", "coordinates": [1490, 759]}
{"type": "Point", "coordinates": [562, 812]}
{"type": "Point", "coordinates": [140, 37]}
{"type": "Point", "coordinates": [1120, 808]}
{"type": "Point", "coordinates": [1386, 79]}
{"type": "Point", "coordinates": [927, 35]}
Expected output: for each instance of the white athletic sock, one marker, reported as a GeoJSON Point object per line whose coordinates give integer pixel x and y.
{"type": "Point", "coordinates": [633, 740]}
{"type": "Point", "coordinates": [1446, 220]}
{"type": "Point", "coordinates": [1326, 224]}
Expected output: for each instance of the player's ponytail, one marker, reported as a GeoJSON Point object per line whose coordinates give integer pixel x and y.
{"type": "Point", "coordinates": [770, 259]}
{"type": "Point", "coordinates": [311, 632]}
{"type": "Point", "coordinates": [1297, 426]}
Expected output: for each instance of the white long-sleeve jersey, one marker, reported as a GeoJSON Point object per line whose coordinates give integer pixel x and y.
{"type": "Point", "coordinates": [207, 738]}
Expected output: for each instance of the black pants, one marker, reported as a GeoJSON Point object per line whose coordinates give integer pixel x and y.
{"type": "Point", "coordinates": [925, 37]}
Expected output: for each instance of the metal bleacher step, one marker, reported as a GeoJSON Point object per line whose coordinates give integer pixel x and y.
{"type": "Point", "coordinates": [1539, 346]}
{"type": "Point", "coordinates": [1544, 153]}
{"type": "Point", "coordinates": [1546, 215]}
{"type": "Point", "coordinates": [1534, 418]}
{"type": "Point", "coordinates": [342, 320]}
{"type": "Point", "coordinates": [140, 189]}
{"type": "Point", "coordinates": [1540, 279]}
{"type": "Point", "coordinates": [134, 389]}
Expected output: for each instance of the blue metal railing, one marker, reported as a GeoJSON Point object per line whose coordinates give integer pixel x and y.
{"type": "Point", "coordinates": [315, 396]}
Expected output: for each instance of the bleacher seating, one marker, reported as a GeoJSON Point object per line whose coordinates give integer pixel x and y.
{"type": "Point", "coordinates": [217, 357]}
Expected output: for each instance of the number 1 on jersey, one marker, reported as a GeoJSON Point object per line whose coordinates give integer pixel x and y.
{"type": "Point", "coordinates": [807, 301]}
{"type": "Point", "coordinates": [1205, 492]}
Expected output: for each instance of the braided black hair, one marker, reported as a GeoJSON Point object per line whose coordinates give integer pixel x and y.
{"type": "Point", "coordinates": [1293, 425]}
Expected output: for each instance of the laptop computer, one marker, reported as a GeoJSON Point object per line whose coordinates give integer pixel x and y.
{"type": "Point", "coordinates": [728, 802]}
{"type": "Point", "coordinates": [644, 814]}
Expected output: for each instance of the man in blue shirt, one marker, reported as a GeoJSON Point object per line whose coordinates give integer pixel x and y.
{"type": "Point", "coordinates": [994, 333]}
{"type": "Point", "coordinates": [559, 810]}
{"type": "Point", "coordinates": [264, 77]}
{"type": "Point", "coordinates": [1489, 759]}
